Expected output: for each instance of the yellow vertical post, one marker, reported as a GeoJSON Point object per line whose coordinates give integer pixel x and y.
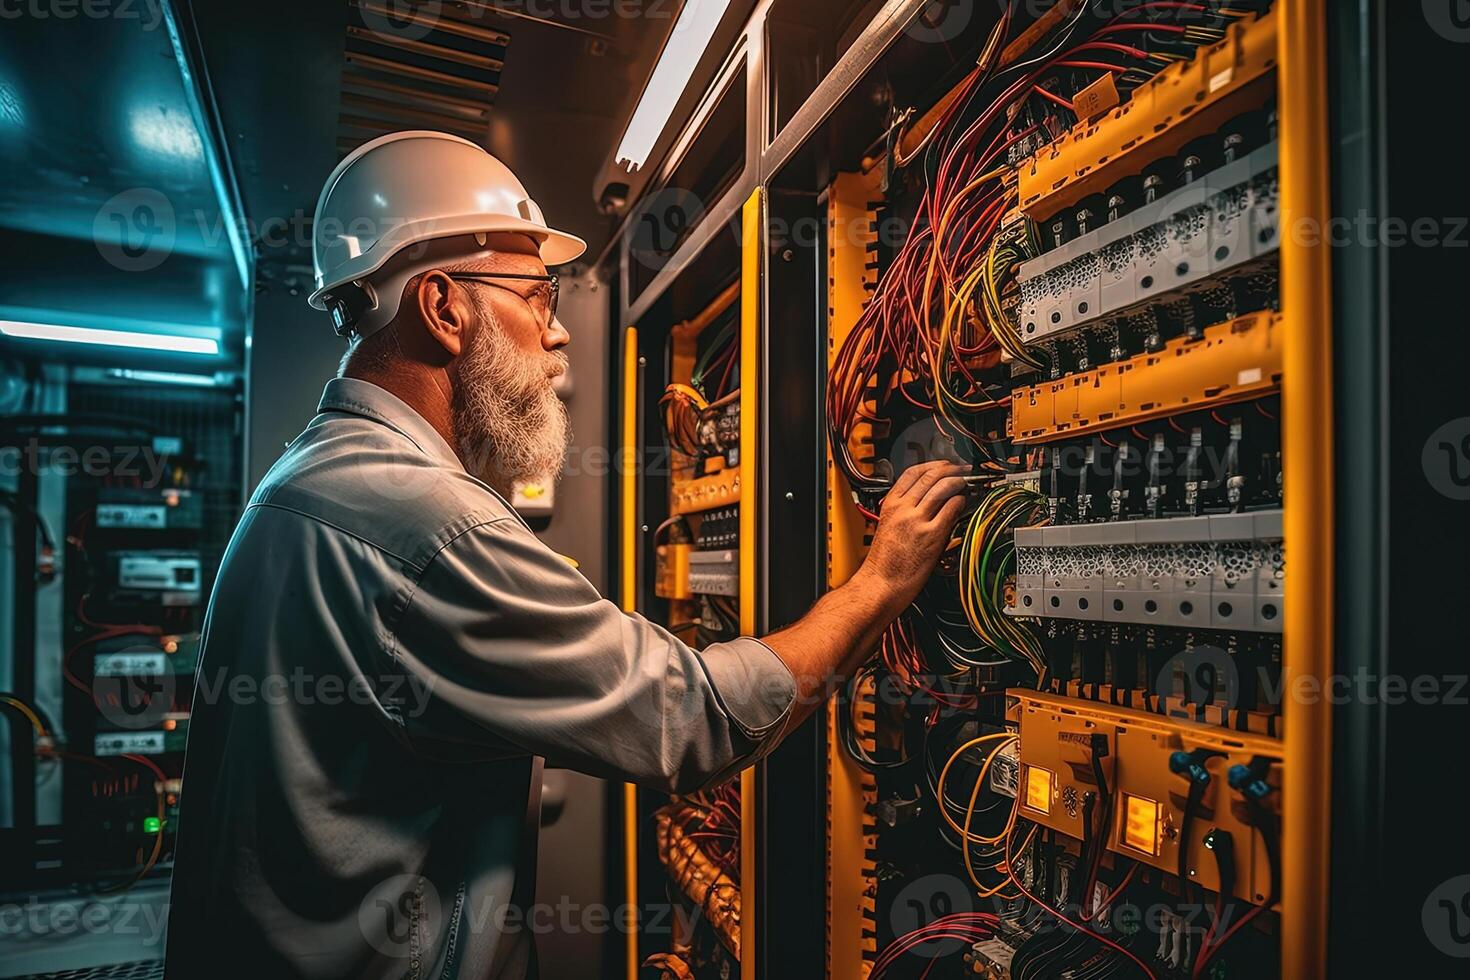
{"type": "Point", "coordinates": [752, 230]}
{"type": "Point", "coordinates": [629, 597]}
{"type": "Point", "coordinates": [851, 792]}
{"type": "Point", "coordinates": [1307, 454]}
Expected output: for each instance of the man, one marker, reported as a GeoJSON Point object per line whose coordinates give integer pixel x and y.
{"type": "Point", "coordinates": [373, 822]}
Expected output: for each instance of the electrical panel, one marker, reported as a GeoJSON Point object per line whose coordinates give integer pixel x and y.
{"type": "Point", "coordinates": [131, 539]}
{"type": "Point", "coordinates": [1067, 275]}
{"type": "Point", "coordinates": [690, 844]}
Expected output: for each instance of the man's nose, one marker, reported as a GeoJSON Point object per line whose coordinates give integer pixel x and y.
{"type": "Point", "coordinates": [555, 336]}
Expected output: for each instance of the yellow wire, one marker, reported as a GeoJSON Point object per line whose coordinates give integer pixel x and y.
{"type": "Point", "coordinates": [965, 835]}
{"type": "Point", "coordinates": [31, 716]}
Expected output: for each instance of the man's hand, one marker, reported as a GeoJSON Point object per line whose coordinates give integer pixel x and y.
{"type": "Point", "coordinates": [914, 527]}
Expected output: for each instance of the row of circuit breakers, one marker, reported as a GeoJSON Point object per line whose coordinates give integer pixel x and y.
{"type": "Point", "coordinates": [1224, 224]}
{"type": "Point", "coordinates": [1219, 571]}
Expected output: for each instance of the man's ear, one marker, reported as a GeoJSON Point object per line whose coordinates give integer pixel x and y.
{"type": "Point", "coordinates": [445, 311]}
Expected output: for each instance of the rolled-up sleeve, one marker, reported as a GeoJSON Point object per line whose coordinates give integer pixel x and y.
{"type": "Point", "coordinates": [508, 647]}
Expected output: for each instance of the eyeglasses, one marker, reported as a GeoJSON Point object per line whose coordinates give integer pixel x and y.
{"type": "Point", "coordinates": [553, 281]}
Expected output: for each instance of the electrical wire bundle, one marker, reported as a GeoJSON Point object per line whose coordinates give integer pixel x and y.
{"type": "Point", "coordinates": [982, 851]}
{"type": "Point", "coordinates": [1107, 966]}
{"type": "Point", "coordinates": [686, 416]}
{"type": "Point", "coordinates": [959, 930]}
{"type": "Point", "coordinates": [938, 317]}
{"type": "Point", "coordinates": [987, 561]}
{"type": "Point", "coordinates": [689, 409]}
{"type": "Point", "coordinates": [711, 818]}
{"type": "Point", "coordinates": [720, 360]}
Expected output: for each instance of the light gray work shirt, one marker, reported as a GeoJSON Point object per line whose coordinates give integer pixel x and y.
{"type": "Point", "coordinates": [387, 649]}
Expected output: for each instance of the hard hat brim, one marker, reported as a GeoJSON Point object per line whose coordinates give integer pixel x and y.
{"type": "Point", "coordinates": [556, 247]}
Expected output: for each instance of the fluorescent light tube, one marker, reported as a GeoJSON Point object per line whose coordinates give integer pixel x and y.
{"type": "Point", "coordinates": [165, 378]}
{"type": "Point", "coordinates": [692, 33]}
{"type": "Point", "coordinates": [109, 338]}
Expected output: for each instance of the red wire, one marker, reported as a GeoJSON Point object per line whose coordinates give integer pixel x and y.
{"type": "Point", "coordinates": [1101, 65]}
{"type": "Point", "coordinates": [149, 763]}
{"type": "Point", "coordinates": [1160, 5]}
{"type": "Point", "coordinates": [1127, 49]}
{"type": "Point", "coordinates": [1085, 931]}
{"type": "Point", "coordinates": [1124, 28]}
{"type": "Point", "coordinates": [1207, 954]}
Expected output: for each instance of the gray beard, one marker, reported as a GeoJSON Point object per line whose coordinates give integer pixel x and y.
{"type": "Point", "coordinates": [508, 422]}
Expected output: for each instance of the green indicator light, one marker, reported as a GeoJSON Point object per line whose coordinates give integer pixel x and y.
{"type": "Point", "coordinates": [152, 825]}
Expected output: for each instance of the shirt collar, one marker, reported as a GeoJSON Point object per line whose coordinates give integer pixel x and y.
{"type": "Point", "coordinates": [358, 397]}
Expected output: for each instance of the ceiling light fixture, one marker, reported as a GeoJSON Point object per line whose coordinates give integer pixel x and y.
{"type": "Point", "coordinates": [173, 343]}
{"type": "Point", "coordinates": [686, 45]}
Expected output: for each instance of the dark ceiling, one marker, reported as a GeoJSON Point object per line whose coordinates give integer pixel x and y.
{"type": "Point", "coordinates": [572, 71]}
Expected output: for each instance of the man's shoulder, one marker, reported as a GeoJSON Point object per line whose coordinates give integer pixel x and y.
{"type": "Point", "coordinates": [374, 483]}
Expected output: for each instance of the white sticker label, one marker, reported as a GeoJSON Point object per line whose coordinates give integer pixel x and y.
{"type": "Point", "coordinates": [1249, 376]}
{"type": "Point", "coordinates": [125, 743]}
{"type": "Point", "coordinates": [1221, 79]}
{"type": "Point", "coordinates": [1005, 769]}
{"type": "Point", "coordinates": [130, 664]}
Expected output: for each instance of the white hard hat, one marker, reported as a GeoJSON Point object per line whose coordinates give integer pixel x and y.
{"type": "Point", "coordinates": [410, 188]}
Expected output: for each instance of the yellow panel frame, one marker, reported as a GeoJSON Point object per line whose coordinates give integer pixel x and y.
{"type": "Point", "coordinates": [629, 600]}
{"type": "Point", "coordinates": [753, 237]}
{"type": "Point", "coordinates": [1231, 362]}
{"type": "Point", "coordinates": [1054, 731]}
{"type": "Point", "coordinates": [1308, 471]}
{"type": "Point", "coordinates": [851, 792]}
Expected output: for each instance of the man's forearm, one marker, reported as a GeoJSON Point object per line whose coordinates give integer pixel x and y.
{"type": "Point", "coordinates": [834, 638]}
